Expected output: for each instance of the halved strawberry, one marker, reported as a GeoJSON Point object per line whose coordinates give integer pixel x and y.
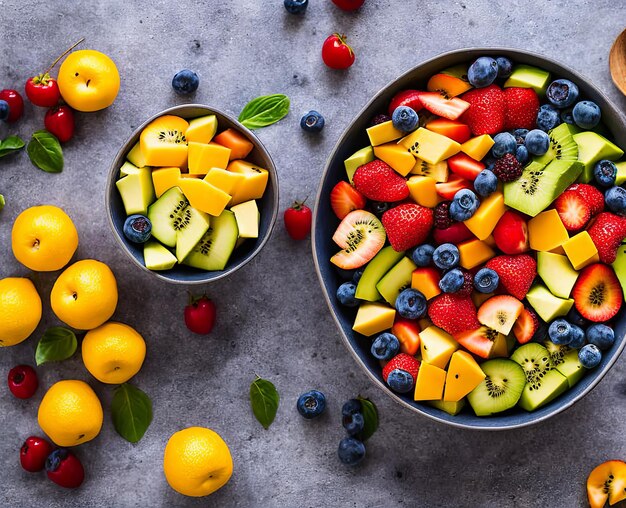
{"type": "Point", "coordinates": [573, 210]}
{"type": "Point", "coordinates": [456, 234]}
{"type": "Point", "coordinates": [486, 112]}
{"type": "Point", "coordinates": [511, 233]}
{"type": "Point", "coordinates": [526, 325]}
{"type": "Point", "coordinates": [500, 313]}
{"type": "Point", "coordinates": [376, 180]}
{"type": "Point", "coordinates": [453, 314]}
{"type": "Point", "coordinates": [455, 183]}
{"type": "Point", "coordinates": [407, 332]}
{"type": "Point", "coordinates": [597, 293]}
{"type": "Point", "coordinates": [592, 196]}
{"type": "Point", "coordinates": [452, 129]}
{"type": "Point", "coordinates": [464, 166]}
{"type": "Point", "coordinates": [344, 198]}
{"type": "Point", "coordinates": [410, 98]}
{"type": "Point", "coordinates": [450, 86]}
{"type": "Point", "coordinates": [479, 341]}
{"type": "Point", "coordinates": [407, 225]}
{"type": "Point", "coordinates": [436, 103]}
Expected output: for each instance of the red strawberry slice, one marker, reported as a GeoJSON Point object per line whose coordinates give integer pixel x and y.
{"type": "Point", "coordinates": [410, 98]}
{"type": "Point", "coordinates": [464, 166]}
{"type": "Point", "coordinates": [344, 199]}
{"type": "Point", "coordinates": [520, 108]}
{"type": "Point", "coordinates": [516, 273]}
{"type": "Point", "coordinates": [378, 181]}
{"type": "Point", "coordinates": [511, 233]}
{"type": "Point", "coordinates": [437, 104]}
{"type": "Point", "coordinates": [456, 131]}
{"type": "Point", "coordinates": [453, 314]}
{"type": "Point", "coordinates": [591, 195]}
{"type": "Point", "coordinates": [486, 112]}
{"type": "Point", "coordinates": [408, 333]}
{"type": "Point", "coordinates": [455, 183]}
{"type": "Point", "coordinates": [456, 234]}
{"type": "Point", "coordinates": [407, 225]}
{"type": "Point", "coordinates": [597, 293]}
{"type": "Point", "coordinates": [403, 362]}
{"type": "Point", "coordinates": [526, 325]}
{"type": "Point", "coordinates": [573, 210]}
{"type": "Point", "coordinates": [607, 232]}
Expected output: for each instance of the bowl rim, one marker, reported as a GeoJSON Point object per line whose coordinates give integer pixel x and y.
{"type": "Point", "coordinates": [121, 153]}
{"type": "Point", "coordinates": [342, 139]}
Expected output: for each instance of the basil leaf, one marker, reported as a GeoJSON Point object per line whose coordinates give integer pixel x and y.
{"type": "Point", "coordinates": [10, 145]}
{"type": "Point", "coordinates": [370, 415]}
{"type": "Point", "coordinates": [45, 152]}
{"type": "Point", "coordinates": [264, 400]}
{"type": "Point", "coordinates": [131, 411]}
{"type": "Point", "coordinates": [57, 344]}
{"type": "Point", "coordinates": [264, 111]}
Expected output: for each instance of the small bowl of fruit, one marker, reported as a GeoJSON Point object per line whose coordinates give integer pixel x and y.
{"type": "Point", "coordinates": [468, 236]}
{"type": "Point", "coordinates": [192, 195]}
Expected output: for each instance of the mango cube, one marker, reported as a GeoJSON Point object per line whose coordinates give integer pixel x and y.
{"type": "Point", "coordinates": [478, 147]}
{"type": "Point", "coordinates": [473, 253]}
{"type": "Point", "coordinates": [426, 281]}
{"type": "Point", "coordinates": [164, 179]}
{"type": "Point", "coordinates": [203, 196]}
{"type": "Point", "coordinates": [396, 156]}
{"type": "Point", "coordinates": [430, 146]}
{"type": "Point", "coordinates": [581, 250]}
{"type": "Point", "coordinates": [429, 383]}
{"type": "Point", "coordinates": [464, 374]}
{"type": "Point", "coordinates": [239, 145]}
{"type": "Point", "coordinates": [484, 220]}
{"type": "Point", "coordinates": [373, 318]}
{"type": "Point", "coordinates": [546, 231]}
{"type": "Point", "coordinates": [202, 129]}
{"type": "Point", "coordinates": [247, 217]}
{"type": "Point", "coordinates": [423, 190]}
{"type": "Point", "coordinates": [254, 183]}
{"type": "Point", "coordinates": [357, 159]}
{"type": "Point", "coordinates": [383, 133]}
{"type": "Point", "coordinates": [202, 157]}
{"type": "Point", "coordinates": [437, 346]}
{"type": "Point", "coordinates": [224, 180]}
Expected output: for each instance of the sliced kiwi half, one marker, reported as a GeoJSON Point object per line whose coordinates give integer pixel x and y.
{"type": "Point", "coordinates": [213, 250]}
{"type": "Point", "coordinates": [501, 388]}
{"type": "Point", "coordinates": [565, 360]}
{"type": "Point", "coordinates": [360, 235]}
{"type": "Point", "coordinates": [562, 145]}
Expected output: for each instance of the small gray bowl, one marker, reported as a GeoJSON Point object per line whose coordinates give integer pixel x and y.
{"type": "Point", "coordinates": [325, 223]}
{"type": "Point", "coordinates": [268, 204]}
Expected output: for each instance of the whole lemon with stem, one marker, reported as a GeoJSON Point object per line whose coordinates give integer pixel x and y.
{"type": "Point", "coordinates": [20, 310]}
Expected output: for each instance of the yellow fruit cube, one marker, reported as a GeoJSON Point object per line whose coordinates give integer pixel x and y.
{"type": "Point", "coordinates": [247, 217]}
{"type": "Point", "coordinates": [254, 183]}
{"type": "Point", "coordinates": [136, 191]}
{"type": "Point", "coordinates": [464, 374]}
{"type": "Point", "coordinates": [478, 147]}
{"type": "Point", "coordinates": [473, 253]}
{"type": "Point", "coordinates": [202, 129]}
{"type": "Point", "coordinates": [136, 157]}
{"type": "Point", "coordinates": [396, 156]}
{"type": "Point", "coordinates": [425, 283]}
{"type": "Point", "coordinates": [128, 169]}
{"type": "Point", "coordinates": [437, 346]}
{"type": "Point", "coordinates": [203, 196]}
{"type": "Point", "coordinates": [581, 250]}
{"type": "Point", "coordinates": [383, 133]}
{"type": "Point", "coordinates": [203, 157]}
{"type": "Point", "coordinates": [437, 171]}
{"type": "Point", "coordinates": [164, 179]}
{"type": "Point", "coordinates": [429, 383]}
{"type": "Point", "coordinates": [162, 142]}
{"type": "Point", "coordinates": [430, 146]}
{"type": "Point", "coordinates": [223, 179]}
{"type": "Point", "coordinates": [373, 318]}
{"type": "Point", "coordinates": [483, 222]}
{"type": "Point", "coordinates": [423, 190]}
{"type": "Point", "coordinates": [546, 231]}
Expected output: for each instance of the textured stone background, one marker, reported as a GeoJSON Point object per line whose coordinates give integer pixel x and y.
{"type": "Point", "coordinates": [272, 317]}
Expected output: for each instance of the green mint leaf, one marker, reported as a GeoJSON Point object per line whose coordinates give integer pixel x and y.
{"type": "Point", "coordinates": [57, 344]}
{"type": "Point", "coordinates": [10, 145]}
{"type": "Point", "coordinates": [131, 411]}
{"type": "Point", "coordinates": [264, 400]}
{"type": "Point", "coordinates": [45, 152]}
{"type": "Point", "coordinates": [370, 415]}
{"type": "Point", "coordinates": [264, 111]}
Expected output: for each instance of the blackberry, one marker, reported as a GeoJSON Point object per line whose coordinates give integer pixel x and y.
{"type": "Point", "coordinates": [442, 219]}
{"type": "Point", "coordinates": [508, 168]}
{"type": "Point", "coordinates": [468, 284]}
{"type": "Point", "coordinates": [382, 118]}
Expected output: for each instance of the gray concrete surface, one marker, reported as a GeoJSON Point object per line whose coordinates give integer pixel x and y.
{"type": "Point", "coordinates": [272, 318]}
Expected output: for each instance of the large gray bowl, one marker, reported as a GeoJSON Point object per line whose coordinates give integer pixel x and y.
{"type": "Point", "coordinates": [268, 204]}
{"type": "Point", "coordinates": [325, 223]}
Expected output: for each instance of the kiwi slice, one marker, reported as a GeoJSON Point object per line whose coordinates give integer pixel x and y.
{"type": "Point", "coordinates": [213, 250]}
{"type": "Point", "coordinates": [562, 145]}
{"type": "Point", "coordinates": [501, 388]}
{"type": "Point", "coordinates": [556, 351]}
{"type": "Point", "coordinates": [565, 360]}
{"type": "Point", "coordinates": [360, 235]}
{"type": "Point", "coordinates": [190, 231]}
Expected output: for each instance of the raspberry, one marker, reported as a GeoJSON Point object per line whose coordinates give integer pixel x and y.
{"type": "Point", "coordinates": [442, 219]}
{"type": "Point", "coordinates": [507, 168]}
{"type": "Point", "coordinates": [382, 118]}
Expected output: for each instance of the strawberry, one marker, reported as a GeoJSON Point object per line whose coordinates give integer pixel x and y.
{"type": "Point", "coordinates": [403, 362]}
{"type": "Point", "coordinates": [486, 112]}
{"type": "Point", "coordinates": [452, 313]}
{"type": "Point", "coordinates": [456, 233]}
{"type": "Point", "coordinates": [378, 181]}
{"type": "Point", "coordinates": [516, 273]}
{"type": "Point", "coordinates": [344, 199]}
{"type": "Point", "coordinates": [525, 326]}
{"type": "Point", "coordinates": [520, 108]}
{"type": "Point", "coordinates": [607, 232]}
{"type": "Point", "coordinates": [439, 105]}
{"type": "Point", "coordinates": [407, 225]}
{"type": "Point", "coordinates": [409, 98]}
{"type": "Point", "coordinates": [591, 195]}
{"type": "Point", "coordinates": [573, 210]}
{"type": "Point", "coordinates": [597, 293]}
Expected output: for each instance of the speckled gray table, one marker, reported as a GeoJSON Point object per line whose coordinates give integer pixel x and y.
{"type": "Point", "coordinates": [272, 318]}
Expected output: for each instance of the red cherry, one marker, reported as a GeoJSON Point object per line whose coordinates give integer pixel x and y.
{"type": "Point", "coordinates": [336, 53]}
{"type": "Point", "coordinates": [34, 453]}
{"type": "Point", "coordinates": [298, 220]}
{"type": "Point", "coordinates": [348, 5]}
{"type": "Point", "coordinates": [16, 104]}
{"type": "Point", "coordinates": [59, 120]}
{"type": "Point", "coordinates": [42, 90]}
{"type": "Point", "coordinates": [200, 315]}
{"type": "Point", "coordinates": [64, 469]}
{"type": "Point", "coordinates": [23, 381]}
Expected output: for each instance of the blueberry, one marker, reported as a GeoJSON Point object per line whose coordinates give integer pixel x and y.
{"type": "Point", "coordinates": [346, 294]}
{"type": "Point", "coordinates": [504, 142]}
{"type": "Point", "coordinates": [537, 142]}
{"type": "Point", "coordinates": [452, 281]}
{"type": "Point", "coordinates": [411, 304]}
{"type": "Point", "coordinates": [137, 228]}
{"type": "Point", "coordinates": [356, 277]}
{"type": "Point", "coordinates": [185, 82]}
{"type": "Point", "coordinates": [601, 336]}
{"type": "Point", "coordinates": [423, 254]}
{"type": "Point", "coordinates": [505, 67]}
{"type": "Point", "coordinates": [605, 173]}
{"type": "Point", "coordinates": [486, 280]}
{"type": "Point", "coordinates": [578, 337]}
{"type": "Point", "coordinates": [574, 317]}
{"type": "Point", "coordinates": [351, 406]}
{"type": "Point", "coordinates": [296, 6]}
{"type": "Point", "coordinates": [567, 116]}
{"type": "Point", "coordinates": [520, 135]}
{"type": "Point", "coordinates": [590, 356]}
{"type": "Point", "coordinates": [379, 207]}
{"type": "Point", "coordinates": [562, 93]}
{"type": "Point", "coordinates": [351, 451]}
{"type": "Point", "coordinates": [560, 331]}
{"type": "Point", "coordinates": [482, 72]}
{"type": "Point", "coordinates": [485, 183]}
{"type": "Point", "coordinates": [4, 110]}
{"type": "Point", "coordinates": [464, 205]}
{"type": "Point", "coordinates": [521, 154]}
{"type": "Point", "coordinates": [311, 404]}
{"type": "Point", "coordinates": [446, 256]}
{"type": "Point", "coordinates": [312, 122]}
{"type": "Point", "coordinates": [548, 117]}
{"type": "Point", "coordinates": [353, 423]}
{"type": "Point", "coordinates": [586, 114]}
{"type": "Point", "coordinates": [385, 346]}
{"type": "Point", "coordinates": [489, 160]}
{"type": "Point", "coordinates": [400, 381]}
{"type": "Point", "coordinates": [615, 199]}
{"type": "Point", "coordinates": [405, 119]}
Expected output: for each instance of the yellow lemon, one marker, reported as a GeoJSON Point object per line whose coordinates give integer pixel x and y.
{"type": "Point", "coordinates": [88, 80]}
{"type": "Point", "coordinates": [85, 294]}
{"type": "Point", "coordinates": [70, 413]}
{"type": "Point", "coordinates": [113, 352]}
{"type": "Point", "coordinates": [20, 310]}
{"type": "Point", "coordinates": [197, 462]}
{"type": "Point", "coordinates": [44, 238]}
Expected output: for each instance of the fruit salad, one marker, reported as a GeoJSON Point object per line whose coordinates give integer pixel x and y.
{"type": "Point", "coordinates": [480, 238]}
{"type": "Point", "coordinates": [189, 193]}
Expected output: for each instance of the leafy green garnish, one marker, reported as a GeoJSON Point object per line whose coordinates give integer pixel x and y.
{"type": "Point", "coordinates": [57, 344]}
{"type": "Point", "coordinates": [370, 415]}
{"type": "Point", "coordinates": [131, 410]}
{"type": "Point", "coordinates": [45, 152]}
{"type": "Point", "coordinates": [10, 145]}
{"type": "Point", "coordinates": [264, 400]}
{"type": "Point", "coordinates": [264, 111]}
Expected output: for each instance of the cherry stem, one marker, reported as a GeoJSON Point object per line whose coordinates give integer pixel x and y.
{"type": "Point", "coordinates": [62, 55]}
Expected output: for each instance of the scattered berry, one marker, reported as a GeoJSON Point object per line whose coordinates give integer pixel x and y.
{"type": "Point", "coordinates": [605, 173]}
{"type": "Point", "coordinates": [486, 280]}
{"type": "Point", "coordinates": [482, 72]}
{"type": "Point", "coordinates": [607, 233]}
{"type": "Point", "coordinates": [346, 294]}
{"type": "Point", "coordinates": [33, 454]}
{"type": "Point", "coordinates": [485, 183]}
{"type": "Point", "coordinates": [137, 228]}
{"type": "Point", "coordinates": [586, 114]}
{"type": "Point", "coordinates": [601, 336]}
{"type": "Point", "coordinates": [453, 313]}
{"type": "Point", "coordinates": [615, 199]}
{"type": "Point", "coordinates": [537, 142]}
{"type": "Point", "coordinates": [378, 181]}
{"type": "Point", "coordinates": [15, 102]}
{"type": "Point", "coordinates": [516, 273]}
{"type": "Point", "coordinates": [64, 469]}
{"type": "Point", "coordinates": [407, 225]}
{"type": "Point", "coordinates": [405, 119]}
{"type": "Point", "coordinates": [548, 117]}
{"type": "Point", "coordinates": [42, 90]}
{"type": "Point", "coordinates": [446, 256]}
{"type": "Point", "coordinates": [505, 67]}
{"type": "Point", "coordinates": [452, 281]}
{"type": "Point", "coordinates": [5, 111]}
{"type": "Point", "coordinates": [312, 122]}
{"type": "Point", "coordinates": [185, 82]}
{"type": "Point", "coordinates": [348, 5]}
{"type": "Point", "coordinates": [351, 451]}
{"type": "Point", "coordinates": [504, 142]}
{"type": "Point", "coordinates": [311, 404]}
{"type": "Point", "coordinates": [562, 93]}
{"type": "Point", "coordinates": [297, 220]}
{"type": "Point", "coordinates": [423, 254]}
{"type": "Point", "coordinates": [23, 381]}
{"type": "Point", "coordinates": [336, 53]}
{"type": "Point", "coordinates": [441, 218]}
{"type": "Point", "coordinates": [385, 346]}
{"type": "Point", "coordinates": [353, 423]}
{"type": "Point", "coordinates": [560, 332]}
{"type": "Point", "coordinates": [589, 356]}
{"type": "Point", "coordinates": [411, 304]}
{"type": "Point", "coordinates": [573, 210]}
{"type": "Point", "coordinates": [508, 168]}
{"type": "Point", "coordinates": [521, 106]}
{"type": "Point", "coordinates": [464, 205]}
{"type": "Point", "coordinates": [200, 315]}
{"type": "Point", "coordinates": [296, 6]}
{"type": "Point", "coordinates": [59, 120]}
{"type": "Point", "coordinates": [351, 406]}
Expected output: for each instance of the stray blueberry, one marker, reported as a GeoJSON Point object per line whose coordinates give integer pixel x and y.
{"type": "Point", "coordinates": [578, 337]}
{"type": "Point", "coordinates": [446, 256]}
{"type": "Point", "coordinates": [605, 173]}
{"type": "Point", "coordinates": [296, 6]}
{"type": "Point", "coordinates": [353, 423]}
{"type": "Point", "coordinates": [346, 294]}
{"type": "Point", "coordinates": [405, 119]}
{"type": "Point", "coordinates": [351, 451]}
{"type": "Point", "coordinates": [385, 346]}
{"type": "Point", "coordinates": [482, 72]}
{"type": "Point", "coordinates": [537, 142]}
{"type": "Point", "coordinates": [504, 142]}
{"type": "Point", "coordinates": [311, 404]}
{"type": "Point", "coordinates": [423, 254]}
{"type": "Point", "coordinates": [185, 82]}
{"type": "Point", "coordinates": [312, 122]}
{"type": "Point", "coordinates": [356, 277]}
{"type": "Point", "coordinates": [486, 280]}
{"type": "Point", "coordinates": [411, 304]}
{"type": "Point", "coordinates": [505, 67]}
{"type": "Point", "coordinates": [567, 116]}
{"type": "Point", "coordinates": [485, 183]}
{"type": "Point", "coordinates": [400, 381]}
{"type": "Point", "coordinates": [464, 205]}
{"type": "Point", "coordinates": [562, 93]}
{"type": "Point", "coordinates": [452, 281]}
{"type": "Point", "coordinates": [615, 199]}
{"type": "Point", "coordinates": [548, 117]}
{"type": "Point", "coordinates": [351, 406]}
{"type": "Point", "coordinates": [601, 336]}
{"type": "Point", "coordinates": [137, 228]}
{"type": "Point", "coordinates": [520, 135]}
{"type": "Point", "coordinates": [4, 110]}
{"type": "Point", "coordinates": [590, 356]}
{"type": "Point", "coordinates": [560, 332]}
{"type": "Point", "coordinates": [521, 154]}
{"type": "Point", "coordinates": [586, 114]}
